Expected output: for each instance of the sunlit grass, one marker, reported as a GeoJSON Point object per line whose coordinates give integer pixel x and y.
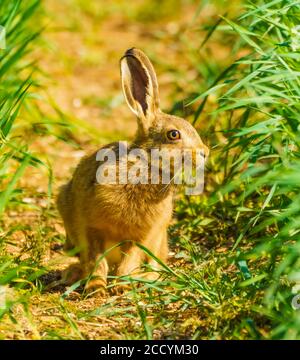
{"type": "Point", "coordinates": [258, 168]}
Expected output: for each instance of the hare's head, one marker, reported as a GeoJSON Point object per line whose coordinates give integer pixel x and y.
{"type": "Point", "coordinates": [155, 129]}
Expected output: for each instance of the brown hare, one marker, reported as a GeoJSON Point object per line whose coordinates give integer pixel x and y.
{"type": "Point", "coordinates": [98, 216]}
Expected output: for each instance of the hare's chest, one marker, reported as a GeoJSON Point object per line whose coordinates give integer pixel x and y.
{"type": "Point", "coordinates": [125, 213]}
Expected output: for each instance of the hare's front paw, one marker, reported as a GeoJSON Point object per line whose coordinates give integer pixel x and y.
{"type": "Point", "coordinates": [96, 286]}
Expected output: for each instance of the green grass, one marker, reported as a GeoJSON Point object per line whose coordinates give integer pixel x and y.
{"type": "Point", "coordinates": [235, 249]}
{"type": "Point", "coordinates": [15, 75]}
{"type": "Point", "coordinates": [259, 186]}
{"type": "Point", "coordinates": [255, 163]}
{"type": "Point", "coordinates": [17, 84]}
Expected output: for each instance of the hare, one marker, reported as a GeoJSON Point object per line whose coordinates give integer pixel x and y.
{"type": "Point", "coordinates": [97, 217]}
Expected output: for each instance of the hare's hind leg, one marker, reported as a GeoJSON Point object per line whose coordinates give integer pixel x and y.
{"type": "Point", "coordinates": [64, 204]}
{"type": "Point", "coordinates": [75, 240]}
{"type": "Point", "coordinates": [92, 266]}
{"type": "Point", "coordinates": [92, 261]}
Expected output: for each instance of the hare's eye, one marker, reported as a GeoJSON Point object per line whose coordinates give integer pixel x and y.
{"type": "Point", "coordinates": [173, 135]}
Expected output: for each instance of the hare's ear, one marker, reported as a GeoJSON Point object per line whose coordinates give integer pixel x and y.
{"type": "Point", "coordinates": [140, 86]}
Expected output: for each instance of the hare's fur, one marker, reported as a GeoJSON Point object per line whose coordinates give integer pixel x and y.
{"type": "Point", "coordinates": [98, 217]}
